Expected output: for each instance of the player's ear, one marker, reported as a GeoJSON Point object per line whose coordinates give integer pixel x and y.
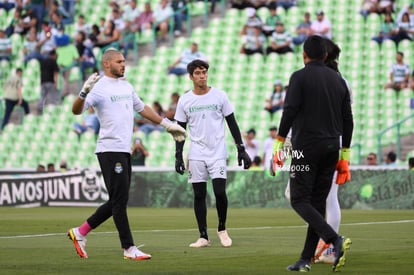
{"type": "Point", "coordinates": [304, 55]}
{"type": "Point", "coordinates": [105, 64]}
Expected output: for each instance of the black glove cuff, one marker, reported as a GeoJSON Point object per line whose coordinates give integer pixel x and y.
{"type": "Point", "coordinates": [179, 154]}
{"type": "Point", "coordinates": [240, 148]}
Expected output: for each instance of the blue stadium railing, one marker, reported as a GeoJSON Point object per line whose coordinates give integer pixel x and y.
{"type": "Point", "coordinates": [398, 141]}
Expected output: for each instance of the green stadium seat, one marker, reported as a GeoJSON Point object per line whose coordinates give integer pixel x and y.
{"type": "Point", "coordinates": [388, 47]}
{"type": "Point", "coordinates": [406, 46]}
{"type": "Point", "coordinates": [233, 14]}
{"type": "Point", "coordinates": [180, 43]}
{"type": "Point", "coordinates": [215, 31]}
{"type": "Point", "coordinates": [3, 19]}
{"type": "Point", "coordinates": [4, 68]}
{"type": "Point", "coordinates": [263, 13]}
{"type": "Point", "coordinates": [293, 16]}
{"type": "Point", "coordinates": [197, 8]}
{"type": "Point", "coordinates": [410, 154]}
{"type": "Point", "coordinates": [33, 68]}
{"type": "Point", "coordinates": [75, 74]}
{"type": "Point", "coordinates": [17, 43]}
{"type": "Point", "coordinates": [145, 37]}
{"type": "Point", "coordinates": [372, 25]}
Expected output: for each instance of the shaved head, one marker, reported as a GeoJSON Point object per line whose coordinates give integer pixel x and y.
{"type": "Point", "coordinates": [113, 63]}
{"type": "Point", "coordinates": [109, 54]}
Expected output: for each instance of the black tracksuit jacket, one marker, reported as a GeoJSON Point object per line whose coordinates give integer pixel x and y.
{"type": "Point", "coordinates": [317, 106]}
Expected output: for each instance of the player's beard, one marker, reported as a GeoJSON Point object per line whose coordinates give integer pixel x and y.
{"type": "Point", "coordinates": [117, 73]}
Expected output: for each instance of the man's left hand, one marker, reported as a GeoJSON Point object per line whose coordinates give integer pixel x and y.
{"type": "Point", "coordinates": [178, 132]}
{"type": "Point", "coordinates": [342, 166]}
{"type": "Point", "coordinates": [242, 156]}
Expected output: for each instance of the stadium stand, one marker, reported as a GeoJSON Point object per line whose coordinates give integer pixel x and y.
{"type": "Point", "coordinates": [247, 81]}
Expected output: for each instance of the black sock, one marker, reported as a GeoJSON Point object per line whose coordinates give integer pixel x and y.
{"type": "Point", "coordinates": [219, 187]}
{"type": "Point", "coordinates": [200, 208]}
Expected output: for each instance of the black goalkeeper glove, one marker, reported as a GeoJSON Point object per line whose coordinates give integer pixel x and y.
{"type": "Point", "coordinates": [243, 156]}
{"type": "Point", "coordinates": [179, 163]}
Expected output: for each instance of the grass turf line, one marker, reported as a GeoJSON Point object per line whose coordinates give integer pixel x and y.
{"type": "Point", "coordinates": [265, 241]}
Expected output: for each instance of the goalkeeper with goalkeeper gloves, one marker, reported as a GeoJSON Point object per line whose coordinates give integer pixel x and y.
{"type": "Point", "coordinates": [318, 109]}
{"type": "Point", "coordinates": [204, 109]}
{"type": "Point", "coordinates": [115, 101]}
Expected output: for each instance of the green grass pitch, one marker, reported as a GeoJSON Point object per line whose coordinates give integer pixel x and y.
{"type": "Point", "coordinates": [265, 241]}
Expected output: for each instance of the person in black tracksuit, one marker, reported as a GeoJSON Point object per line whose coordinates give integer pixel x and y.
{"type": "Point", "coordinates": [318, 109]}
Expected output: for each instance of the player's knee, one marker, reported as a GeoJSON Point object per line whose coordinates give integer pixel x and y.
{"type": "Point", "coordinates": [200, 191]}
{"type": "Point", "coordinates": [219, 187]}
{"type": "Point", "coordinates": [199, 196]}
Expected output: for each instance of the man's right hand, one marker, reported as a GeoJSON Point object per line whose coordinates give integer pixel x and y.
{"type": "Point", "coordinates": [179, 163]}
{"type": "Point", "coordinates": [277, 153]}
{"type": "Point", "coordinates": [88, 85]}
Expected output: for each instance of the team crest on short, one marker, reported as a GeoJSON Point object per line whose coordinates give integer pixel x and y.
{"type": "Point", "coordinates": [118, 168]}
{"type": "Point", "coordinates": [221, 170]}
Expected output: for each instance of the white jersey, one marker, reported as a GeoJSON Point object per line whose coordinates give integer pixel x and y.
{"type": "Point", "coordinates": [205, 115]}
{"type": "Point", "coordinates": [160, 14]}
{"type": "Point", "coordinates": [268, 152]}
{"type": "Point", "coordinates": [399, 71]}
{"type": "Point", "coordinates": [187, 56]}
{"type": "Point", "coordinates": [319, 26]}
{"type": "Point", "coordinates": [114, 101]}
{"type": "Point", "coordinates": [252, 151]}
{"type": "Point", "coordinates": [282, 38]}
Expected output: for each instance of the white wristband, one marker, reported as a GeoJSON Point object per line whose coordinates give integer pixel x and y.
{"type": "Point", "coordinates": [82, 94]}
{"type": "Point", "coordinates": [165, 122]}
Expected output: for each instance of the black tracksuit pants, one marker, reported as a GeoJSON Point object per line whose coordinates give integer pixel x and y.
{"type": "Point", "coordinates": [310, 181]}
{"type": "Point", "coordinates": [116, 171]}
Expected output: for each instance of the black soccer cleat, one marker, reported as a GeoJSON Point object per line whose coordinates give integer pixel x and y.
{"type": "Point", "coordinates": [341, 246]}
{"type": "Point", "coordinates": [301, 265]}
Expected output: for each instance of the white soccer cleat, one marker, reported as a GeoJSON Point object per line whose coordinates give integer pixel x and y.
{"type": "Point", "coordinates": [133, 253]}
{"type": "Point", "coordinates": [321, 248]}
{"type": "Point", "coordinates": [224, 238]}
{"type": "Point", "coordinates": [79, 241]}
{"type": "Point", "coordinates": [201, 242]}
{"type": "Point", "coordinates": [327, 259]}
{"type": "Point", "coordinates": [327, 256]}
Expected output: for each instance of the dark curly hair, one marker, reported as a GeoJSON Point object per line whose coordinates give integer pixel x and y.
{"type": "Point", "coordinates": [197, 63]}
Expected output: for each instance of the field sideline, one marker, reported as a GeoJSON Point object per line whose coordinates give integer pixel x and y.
{"type": "Point", "coordinates": [265, 241]}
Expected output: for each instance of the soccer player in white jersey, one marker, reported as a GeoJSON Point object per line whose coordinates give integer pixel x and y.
{"type": "Point", "coordinates": [114, 101]}
{"type": "Point", "coordinates": [205, 109]}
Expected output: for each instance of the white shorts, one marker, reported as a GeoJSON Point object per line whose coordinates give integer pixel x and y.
{"type": "Point", "coordinates": [200, 170]}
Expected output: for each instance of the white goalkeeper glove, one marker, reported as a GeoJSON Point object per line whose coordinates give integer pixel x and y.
{"type": "Point", "coordinates": [174, 129]}
{"type": "Point", "coordinates": [88, 85]}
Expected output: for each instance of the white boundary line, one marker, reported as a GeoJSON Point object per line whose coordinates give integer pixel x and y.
{"type": "Point", "coordinates": [188, 230]}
